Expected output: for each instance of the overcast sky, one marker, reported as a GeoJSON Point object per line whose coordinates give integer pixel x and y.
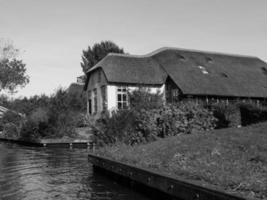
{"type": "Point", "coordinates": [53, 33]}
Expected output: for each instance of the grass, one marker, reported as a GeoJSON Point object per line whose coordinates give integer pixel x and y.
{"type": "Point", "coordinates": [234, 159]}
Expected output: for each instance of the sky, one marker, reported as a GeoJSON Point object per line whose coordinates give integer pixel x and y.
{"type": "Point", "coordinates": [51, 34]}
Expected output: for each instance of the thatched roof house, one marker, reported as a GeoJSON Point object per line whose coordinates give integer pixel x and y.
{"type": "Point", "coordinates": [191, 72]}
{"type": "Point", "coordinates": [194, 72]}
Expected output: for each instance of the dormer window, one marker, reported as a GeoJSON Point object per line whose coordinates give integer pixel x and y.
{"type": "Point", "coordinates": [209, 60]}
{"type": "Point", "coordinates": [264, 70]}
{"type": "Point", "coordinates": [224, 75]}
{"type": "Point", "coordinates": [180, 57]}
{"type": "Point", "coordinates": [203, 69]}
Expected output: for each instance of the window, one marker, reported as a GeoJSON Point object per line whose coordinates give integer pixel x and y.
{"type": "Point", "coordinates": [95, 100]}
{"type": "Point", "coordinates": [122, 99]}
{"type": "Point", "coordinates": [180, 57]}
{"type": "Point", "coordinates": [89, 102]}
{"type": "Point", "coordinates": [175, 95]}
{"type": "Point", "coordinates": [264, 70]}
{"type": "Point", "coordinates": [209, 60]}
{"type": "Point", "coordinates": [224, 75]}
{"type": "Point", "coordinates": [104, 97]}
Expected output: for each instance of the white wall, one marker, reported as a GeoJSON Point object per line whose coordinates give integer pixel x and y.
{"type": "Point", "coordinates": [112, 97]}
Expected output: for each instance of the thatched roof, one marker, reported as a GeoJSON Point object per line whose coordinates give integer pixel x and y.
{"type": "Point", "coordinates": [194, 72]}
{"type": "Point", "coordinates": [119, 68]}
{"type": "Point", "coordinates": [75, 88]}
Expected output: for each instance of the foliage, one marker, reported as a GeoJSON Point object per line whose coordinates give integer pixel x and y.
{"type": "Point", "coordinates": [12, 70]}
{"type": "Point", "coordinates": [40, 118]}
{"type": "Point", "coordinates": [10, 130]}
{"type": "Point", "coordinates": [142, 98]}
{"type": "Point", "coordinates": [237, 113]}
{"type": "Point", "coordinates": [98, 51]}
{"type": "Point", "coordinates": [29, 131]}
{"type": "Point", "coordinates": [226, 115]}
{"type": "Point", "coordinates": [55, 116]}
{"type": "Point", "coordinates": [11, 117]}
{"type": "Point", "coordinates": [80, 120]}
{"type": "Point", "coordinates": [134, 126]}
{"type": "Point", "coordinates": [251, 113]}
{"type": "Point", "coordinates": [28, 105]}
{"type": "Point", "coordinates": [60, 100]}
{"type": "Point", "coordinates": [7, 49]}
{"type": "Point", "coordinates": [233, 159]}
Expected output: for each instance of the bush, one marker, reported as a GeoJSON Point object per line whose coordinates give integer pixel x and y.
{"type": "Point", "coordinates": [29, 131]}
{"type": "Point", "coordinates": [46, 124]}
{"type": "Point", "coordinates": [11, 131]}
{"type": "Point", "coordinates": [80, 120]}
{"type": "Point", "coordinates": [143, 99]}
{"type": "Point", "coordinates": [134, 126]}
{"type": "Point", "coordinates": [110, 129]}
{"type": "Point", "coordinates": [185, 117]}
{"type": "Point", "coordinates": [250, 114]}
{"type": "Point", "coordinates": [11, 124]}
{"type": "Point", "coordinates": [226, 115]}
{"type": "Point", "coordinates": [47, 117]}
{"type": "Point", "coordinates": [64, 124]}
{"type": "Point", "coordinates": [11, 117]}
{"type": "Point", "coordinates": [40, 118]}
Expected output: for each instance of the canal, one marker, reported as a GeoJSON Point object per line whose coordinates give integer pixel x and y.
{"type": "Point", "coordinates": [30, 173]}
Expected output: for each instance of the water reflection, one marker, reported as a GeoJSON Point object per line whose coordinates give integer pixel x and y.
{"type": "Point", "coordinates": [36, 173]}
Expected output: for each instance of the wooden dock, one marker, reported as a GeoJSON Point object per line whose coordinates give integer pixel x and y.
{"type": "Point", "coordinates": [82, 144]}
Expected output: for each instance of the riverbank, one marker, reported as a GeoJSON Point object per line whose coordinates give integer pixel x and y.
{"type": "Point", "coordinates": [233, 160]}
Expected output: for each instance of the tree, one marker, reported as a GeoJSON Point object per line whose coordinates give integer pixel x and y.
{"type": "Point", "coordinates": [12, 69]}
{"type": "Point", "coordinates": [98, 51]}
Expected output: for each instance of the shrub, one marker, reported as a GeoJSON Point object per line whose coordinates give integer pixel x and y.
{"type": "Point", "coordinates": [54, 116]}
{"type": "Point", "coordinates": [11, 124]}
{"type": "Point", "coordinates": [29, 131]}
{"type": "Point", "coordinates": [110, 129]}
{"type": "Point", "coordinates": [11, 131]}
{"type": "Point", "coordinates": [80, 120]}
{"type": "Point", "coordinates": [40, 118]}
{"type": "Point", "coordinates": [226, 115]}
{"type": "Point", "coordinates": [185, 117]}
{"type": "Point", "coordinates": [142, 98]}
{"type": "Point", "coordinates": [135, 126]}
{"type": "Point", "coordinates": [11, 117]}
{"type": "Point", "coordinates": [250, 114]}
{"type": "Point", "coordinates": [64, 124]}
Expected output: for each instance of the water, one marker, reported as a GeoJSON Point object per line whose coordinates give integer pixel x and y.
{"type": "Point", "coordinates": [28, 173]}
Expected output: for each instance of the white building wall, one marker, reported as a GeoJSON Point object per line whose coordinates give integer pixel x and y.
{"type": "Point", "coordinates": [112, 97]}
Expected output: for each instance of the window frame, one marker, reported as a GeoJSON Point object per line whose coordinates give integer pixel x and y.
{"type": "Point", "coordinates": [122, 103]}
{"type": "Point", "coordinates": [90, 102]}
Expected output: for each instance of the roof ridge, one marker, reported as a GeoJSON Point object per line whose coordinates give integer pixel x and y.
{"type": "Point", "coordinates": [210, 52]}
{"type": "Point", "coordinates": [179, 49]}
{"type": "Point", "coordinates": [157, 51]}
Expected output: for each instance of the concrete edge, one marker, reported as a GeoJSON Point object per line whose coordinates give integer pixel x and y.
{"type": "Point", "coordinates": [177, 188]}
{"type": "Point", "coordinates": [82, 145]}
